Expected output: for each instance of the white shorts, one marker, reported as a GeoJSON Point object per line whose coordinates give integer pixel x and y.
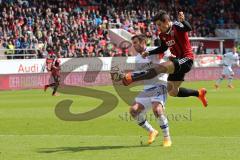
{"type": "Point", "coordinates": [227, 70]}
{"type": "Point", "coordinates": [155, 94]}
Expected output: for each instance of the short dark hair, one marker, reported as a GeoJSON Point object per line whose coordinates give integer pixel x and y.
{"type": "Point", "coordinates": [140, 37]}
{"type": "Point", "coordinates": [162, 16]}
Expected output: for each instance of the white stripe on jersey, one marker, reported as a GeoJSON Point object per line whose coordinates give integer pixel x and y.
{"type": "Point", "coordinates": [183, 60]}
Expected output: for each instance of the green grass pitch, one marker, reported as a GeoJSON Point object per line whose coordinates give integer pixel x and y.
{"type": "Point", "coordinates": [30, 130]}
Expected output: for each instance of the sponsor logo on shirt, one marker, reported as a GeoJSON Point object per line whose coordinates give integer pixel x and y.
{"type": "Point", "coordinates": [170, 43]}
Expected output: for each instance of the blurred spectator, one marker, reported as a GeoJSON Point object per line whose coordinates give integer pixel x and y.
{"type": "Point", "coordinates": [215, 51]}
{"type": "Point", "coordinates": [201, 49]}
{"type": "Point", "coordinates": [79, 28]}
{"type": "Point", "coordinates": [10, 50]}
{"type": "Point", "coordinates": [238, 47]}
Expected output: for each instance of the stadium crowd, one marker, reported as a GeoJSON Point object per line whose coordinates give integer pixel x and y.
{"type": "Point", "coordinates": [79, 28]}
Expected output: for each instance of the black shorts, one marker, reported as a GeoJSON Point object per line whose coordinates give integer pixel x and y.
{"type": "Point", "coordinates": [182, 66]}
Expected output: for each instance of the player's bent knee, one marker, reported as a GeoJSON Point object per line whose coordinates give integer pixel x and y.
{"type": "Point", "coordinates": [158, 109]}
{"type": "Point", "coordinates": [173, 93]}
{"type": "Point", "coordinates": [156, 112]}
{"type": "Point", "coordinates": [135, 110]}
{"type": "Point", "coordinates": [172, 89]}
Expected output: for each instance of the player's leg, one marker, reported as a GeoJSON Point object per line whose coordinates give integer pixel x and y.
{"type": "Point", "coordinates": [219, 80]}
{"type": "Point", "coordinates": [174, 66]}
{"type": "Point", "coordinates": [158, 111]}
{"type": "Point", "coordinates": [230, 79]}
{"type": "Point", "coordinates": [183, 66]}
{"type": "Point", "coordinates": [175, 90]}
{"type": "Point", "coordinates": [55, 90]}
{"type": "Point", "coordinates": [46, 87]}
{"type": "Point", "coordinates": [138, 112]}
{"type": "Point", "coordinates": [52, 84]}
{"type": "Point", "coordinates": [158, 102]}
{"type": "Point", "coordinates": [165, 67]}
{"type": "Point", "coordinates": [56, 84]}
{"type": "Point", "coordinates": [49, 85]}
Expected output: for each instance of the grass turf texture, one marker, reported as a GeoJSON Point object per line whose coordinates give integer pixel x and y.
{"type": "Point", "coordinates": [30, 130]}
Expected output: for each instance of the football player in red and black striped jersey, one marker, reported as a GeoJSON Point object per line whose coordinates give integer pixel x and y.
{"type": "Point", "coordinates": [173, 36]}
{"type": "Point", "coordinates": [53, 66]}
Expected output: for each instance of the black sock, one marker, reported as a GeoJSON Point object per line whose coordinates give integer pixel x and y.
{"type": "Point", "coordinates": [184, 92]}
{"type": "Point", "coordinates": [142, 75]}
{"type": "Point", "coordinates": [55, 89]}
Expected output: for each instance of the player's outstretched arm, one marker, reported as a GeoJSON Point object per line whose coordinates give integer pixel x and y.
{"type": "Point", "coordinates": [183, 26]}
{"type": "Point", "coordinates": [159, 50]}
{"type": "Point", "coordinates": [186, 26]}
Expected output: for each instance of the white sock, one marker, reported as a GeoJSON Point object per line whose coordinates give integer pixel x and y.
{"type": "Point", "coordinates": [219, 81]}
{"type": "Point", "coordinates": [141, 120]}
{"type": "Point", "coordinates": [163, 122]}
{"type": "Point", "coordinates": [230, 79]}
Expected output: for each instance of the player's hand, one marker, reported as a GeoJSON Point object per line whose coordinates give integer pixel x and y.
{"type": "Point", "coordinates": [145, 54]}
{"type": "Point", "coordinates": [181, 17]}
{"type": "Point", "coordinates": [171, 57]}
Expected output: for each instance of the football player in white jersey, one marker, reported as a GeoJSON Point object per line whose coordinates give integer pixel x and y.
{"type": "Point", "coordinates": [153, 96]}
{"type": "Point", "coordinates": [229, 59]}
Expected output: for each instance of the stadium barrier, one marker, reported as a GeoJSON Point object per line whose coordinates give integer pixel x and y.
{"type": "Point", "coordinates": [18, 53]}
{"type": "Point", "coordinates": [208, 60]}
{"type": "Point", "coordinates": [29, 74]}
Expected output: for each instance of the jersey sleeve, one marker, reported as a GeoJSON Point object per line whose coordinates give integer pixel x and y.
{"type": "Point", "coordinates": [159, 50]}
{"type": "Point", "coordinates": [150, 48]}
{"type": "Point", "coordinates": [182, 26]}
